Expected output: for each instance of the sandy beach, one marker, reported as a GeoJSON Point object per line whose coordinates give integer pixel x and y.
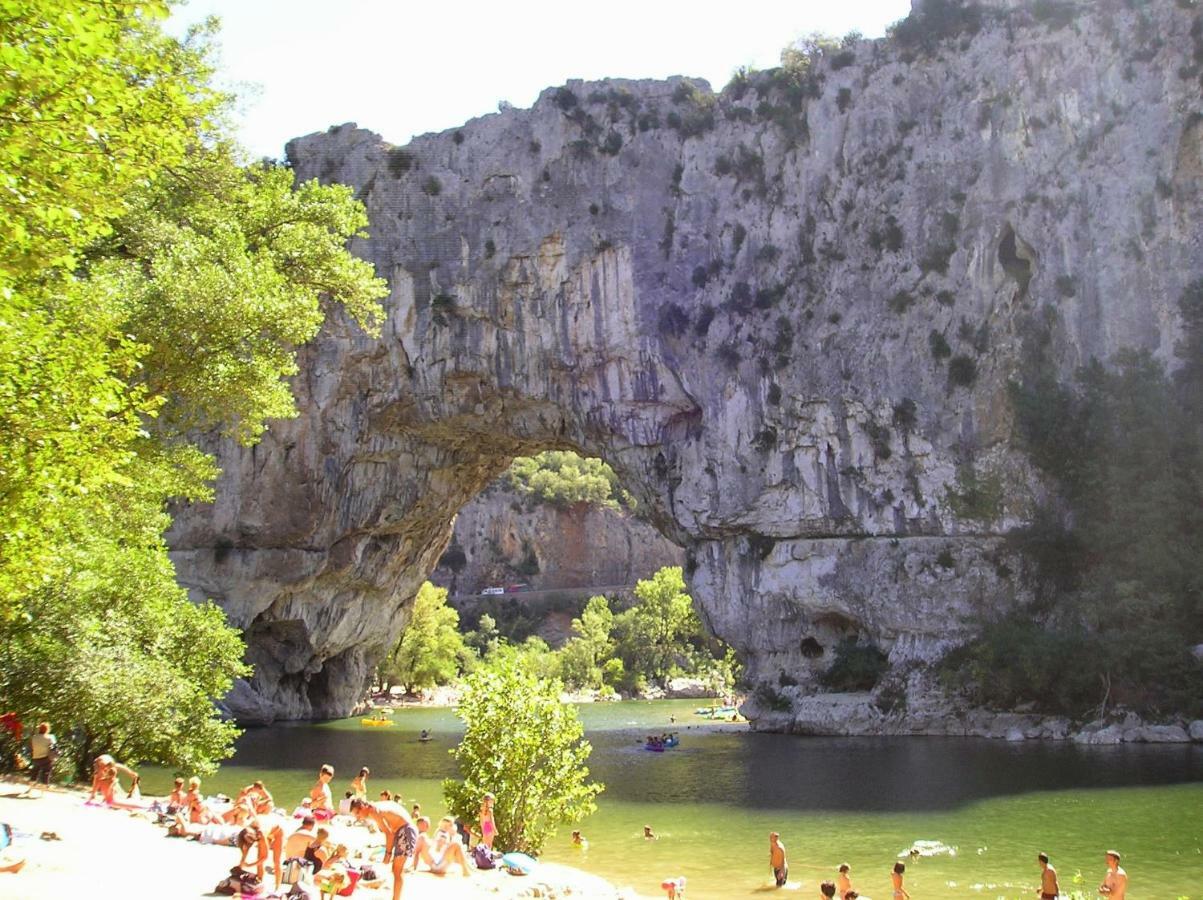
{"type": "Point", "coordinates": [111, 851]}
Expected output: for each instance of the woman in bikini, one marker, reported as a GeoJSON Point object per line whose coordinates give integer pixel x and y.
{"type": "Point", "coordinates": [896, 877]}
{"type": "Point", "coordinates": [488, 828]}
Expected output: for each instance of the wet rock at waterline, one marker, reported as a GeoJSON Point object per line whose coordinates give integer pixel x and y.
{"type": "Point", "coordinates": [786, 319]}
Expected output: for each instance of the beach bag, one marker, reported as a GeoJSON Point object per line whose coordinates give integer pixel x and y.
{"type": "Point", "coordinates": [248, 883]}
{"type": "Point", "coordinates": [483, 857]}
{"type": "Point", "coordinates": [295, 869]}
{"type": "Point", "coordinates": [227, 886]}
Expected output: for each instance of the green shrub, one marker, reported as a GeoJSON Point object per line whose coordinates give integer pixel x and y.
{"type": "Point", "coordinates": [938, 345]}
{"type": "Point", "coordinates": [432, 186]}
{"type": "Point", "coordinates": [857, 666]}
{"type": "Point", "coordinates": [769, 696]}
{"type": "Point", "coordinates": [962, 371]}
{"type": "Point", "coordinates": [400, 161]}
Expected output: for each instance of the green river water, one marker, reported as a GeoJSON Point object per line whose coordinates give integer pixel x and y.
{"type": "Point", "coordinates": [713, 801]}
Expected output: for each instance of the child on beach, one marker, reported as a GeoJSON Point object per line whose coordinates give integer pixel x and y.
{"type": "Point", "coordinates": [321, 803]}
{"type": "Point", "coordinates": [843, 884]}
{"type": "Point", "coordinates": [900, 892]}
{"type": "Point", "coordinates": [359, 784]}
{"type": "Point", "coordinates": [488, 827]}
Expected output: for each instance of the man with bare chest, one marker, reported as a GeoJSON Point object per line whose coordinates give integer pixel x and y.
{"type": "Point", "coordinates": [1049, 889]}
{"type": "Point", "coordinates": [1115, 882]}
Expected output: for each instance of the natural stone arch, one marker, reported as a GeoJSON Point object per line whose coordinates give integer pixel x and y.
{"type": "Point", "coordinates": [750, 351]}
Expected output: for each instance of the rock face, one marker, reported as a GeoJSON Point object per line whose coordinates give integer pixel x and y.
{"type": "Point", "coordinates": [502, 537]}
{"type": "Point", "coordinates": [786, 315]}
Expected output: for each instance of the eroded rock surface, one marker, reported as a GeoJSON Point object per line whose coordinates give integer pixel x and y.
{"type": "Point", "coordinates": [785, 315]}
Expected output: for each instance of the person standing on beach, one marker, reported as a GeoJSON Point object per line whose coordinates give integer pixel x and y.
{"type": "Point", "coordinates": [488, 827]}
{"type": "Point", "coordinates": [900, 892]}
{"type": "Point", "coordinates": [400, 835]}
{"type": "Point", "coordinates": [777, 860]}
{"type": "Point", "coordinates": [1115, 883]}
{"type": "Point", "coordinates": [1049, 889]}
{"type": "Point", "coordinates": [42, 745]}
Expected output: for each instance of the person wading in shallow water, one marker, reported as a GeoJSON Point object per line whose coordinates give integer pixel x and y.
{"type": "Point", "coordinates": [1115, 883]}
{"type": "Point", "coordinates": [1049, 889]}
{"type": "Point", "coordinates": [777, 859]}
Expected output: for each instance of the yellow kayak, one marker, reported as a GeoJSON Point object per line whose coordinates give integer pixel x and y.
{"type": "Point", "coordinates": [376, 723]}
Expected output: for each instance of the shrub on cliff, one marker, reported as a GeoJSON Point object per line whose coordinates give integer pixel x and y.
{"type": "Point", "coordinates": [857, 666]}
{"type": "Point", "coordinates": [563, 478]}
{"type": "Point", "coordinates": [525, 747]}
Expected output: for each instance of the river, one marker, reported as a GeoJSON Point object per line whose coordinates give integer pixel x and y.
{"type": "Point", "coordinates": [713, 801]}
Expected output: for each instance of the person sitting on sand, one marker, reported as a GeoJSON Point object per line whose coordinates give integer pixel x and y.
{"type": "Point", "coordinates": [1049, 889]}
{"type": "Point", "coordinates": [827, 890]}
{"type": "Point", "coordinates": [257, 797]}
{"type": "Point", "coordinates": [359, 784]}
{"type": "Point", "coordinates": [900, 893]}
{"type": "Point", "coordinates": [106, 779]}
{"type": "Point", "coordinates": [777, 860]}
{"type": "Point", "coordinates": [298, 842]}
{"type": "Point", "coordinates": [337, 877]}
{"type": "Point", "coordinates": [446, 850]}
{"type": "Point", "coordinates": [400, 835]}
{"type": "Point", "coordinates": [1115, 882]}
{"type": "Point", "coordinates": [321, 803]}
{"type": "Point", "coordinates": [843, 883]}
{"type": "Point", "coordinates": [422, 846]}
{"type": "Point", "coordinates": [178, 798]}
{"type": "Point", "coordinates": [319, 850]}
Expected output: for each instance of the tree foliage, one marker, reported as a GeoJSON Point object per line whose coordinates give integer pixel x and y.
{"type": "Point", "coordinates": [431, 649]}
{"type": "Point", "coordinates": [525, 747]}
{"type": "Point", "coordinates": [655, 632]}
{"type": "Point", "coordinates": [152, 287]}
{"type": "Point", "coordinates": [1119, 584]}
{"type": "Point", "coordinates": [563, 478]}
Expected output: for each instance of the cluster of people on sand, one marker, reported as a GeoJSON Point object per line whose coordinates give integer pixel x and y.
{"type": "Point", "coordinates": [300, 846]}
{"type": "Point", "coordinates": [1114, 885]}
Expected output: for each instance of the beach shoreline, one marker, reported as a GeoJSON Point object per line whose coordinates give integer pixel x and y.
{"type": "Point", "coordinates": [114, 849]}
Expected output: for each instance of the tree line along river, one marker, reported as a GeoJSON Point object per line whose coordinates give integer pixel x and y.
{"type": "Point", "coordinates": [713, 801]}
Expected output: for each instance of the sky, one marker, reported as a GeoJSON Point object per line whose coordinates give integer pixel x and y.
{"type": "Point", "coordinates": [402, 68]}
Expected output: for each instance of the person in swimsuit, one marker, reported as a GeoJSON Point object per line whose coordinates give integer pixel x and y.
{"type": "Point", "coordinates": [445, 850]}
{"type": "Point", "coordinates": [106, 778]}
{"type": "Point", "coordinates": [320, 801]}
{"type": "Point", "coordinates": [400, 835]}
{"type": "Point", "coordinates": [777, 859]}
{"type": "Point", "coordinates": [359, 784]}
{"type": "Point", "coordinates": [265, 833]}
{"type": "Point", "coordinates": [843, 884]}
{"type": "Point", "coordinates": [1115, 883]}
{"type": "Point", "coordinates": [896, 877]}
{"type": "Point", "coordinates": [178, 798]}
{"type": "Point", "coordinates": [1049, 889]}
{"type": "Point", "coordinates": [488, 827]}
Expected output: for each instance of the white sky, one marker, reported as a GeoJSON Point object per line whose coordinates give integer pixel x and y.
{"type": "Point", "coordinates": [403, 68]}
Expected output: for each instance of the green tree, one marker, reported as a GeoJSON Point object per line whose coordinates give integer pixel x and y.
{"type": "Point", "coordinates": [563, 478]}
{"type": "Point", "coordinates": [525, 747]}
{"type": "Point", "coordinates": [582, 656]}
{"type": "Point", "coordinates": [657, 627]}
{"type": "Point", "coordinates": [430, 649]}
{"type": "Point", "coordinates": [152, 288]}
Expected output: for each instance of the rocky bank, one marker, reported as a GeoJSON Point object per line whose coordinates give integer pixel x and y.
{"type": "Point", "coordinates": [786, 314]}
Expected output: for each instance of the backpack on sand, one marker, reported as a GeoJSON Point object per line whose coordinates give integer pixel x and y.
{"type": "Point", "coordinates": [483, 857]}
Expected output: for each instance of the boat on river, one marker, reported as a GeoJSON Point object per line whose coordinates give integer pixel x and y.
{"type": "Point", "coordinates": [376, 720]}
{"type": "Point", "coordinates": [716, 712]}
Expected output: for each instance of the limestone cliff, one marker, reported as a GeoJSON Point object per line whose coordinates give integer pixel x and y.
{"type": "Point", "coordinates": [785, 314]}
{"type": "Point", "coordinates": [503, 537]}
